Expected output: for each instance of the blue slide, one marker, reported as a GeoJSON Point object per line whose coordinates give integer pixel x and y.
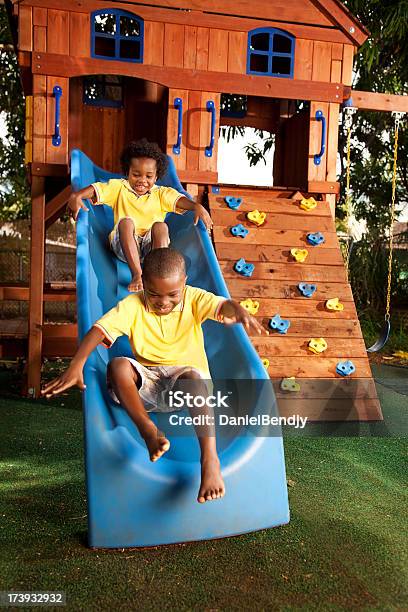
{"type": "Point", "coordinates": [131, 501]}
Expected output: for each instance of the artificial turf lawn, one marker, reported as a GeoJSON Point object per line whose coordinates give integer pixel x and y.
{"type": "Point", "coordinates": [344, 547]}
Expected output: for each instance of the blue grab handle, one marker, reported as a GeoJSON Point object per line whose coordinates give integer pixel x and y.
{"type": "Point", "coordinates": [57, 93]}
{"type": "Point", "coordinates": [178, 104]}
{"type": "Point", "coordinates": [211, 109]}
{"type": "Point", "coordinates": [318, 157]}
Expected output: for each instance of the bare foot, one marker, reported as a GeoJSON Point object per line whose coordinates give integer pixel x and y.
{"type": "Point", "coordinates": [212, 484]}
{"type": "Point", "coordinates": [157, 445]}
{"type": "Point", "coordinates": [136, 284]}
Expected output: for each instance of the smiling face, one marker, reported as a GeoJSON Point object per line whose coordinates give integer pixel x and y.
{"type": "Point", "coordinates": [142, 174]}
{"type": "Point", "coordinates": [163, 294]}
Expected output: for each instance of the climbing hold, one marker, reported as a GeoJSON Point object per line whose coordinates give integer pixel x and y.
{"type": "Point", "coordinates": [232, 202]}
{"type": "Point", "coordinates": [265, 362]}
{"type": "Point", "coordinates": [239, 230]}
{"type": "Point", "coordinates": [299, 254]}
{"type": "Point", "coordinates": [307, 290]}
{"type": "Point", "coordinates": [289, 384]}
{"type": "Point", "coordinates": [281, 325]}
{"type": "Point", "coordinates": [252, 306]}
{"type": "Point", "coordinates": [244, 268]}
{"type": "Point", "coordinates": [334, 304]}
{"type": "Point", "coordinates": [317, 345]}
{"type": "Point", "coordinates": [308, 203]}
{"type": "Point", "coordinates": [315, 239]}
{"type": "Point", "coordinates": [345, 368]}
{"type": "Point", "coordinates": [256, 217]}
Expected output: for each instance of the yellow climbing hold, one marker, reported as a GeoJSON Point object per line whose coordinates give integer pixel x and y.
{"type": "Point", "coordinates": [265, 362]}
{"type": "Point", "coordinates": [334, 304]}
{"type": "Point", "coordinates": [289, 384]}
{"type": "Point", "coordinates": [308, 203]}
{"type": "Point", "coordinates": [299, 254]}
{"type": "Point", "coordinates": [317, 345]}
{"type": "Point", "coordinates": [252, 306]}
{"type": "Point", "coordinates": [256, 217]}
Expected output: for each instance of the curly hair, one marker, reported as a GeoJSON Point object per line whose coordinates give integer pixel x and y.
{"type": "Point", "coordinates": [163, 262]}
{"type": "Point", "coordinates": [144, 148]}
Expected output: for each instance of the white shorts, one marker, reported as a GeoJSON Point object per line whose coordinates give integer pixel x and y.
{"type": "Point", "coordinates": [157, 381]}
{"type": "Point", "coordinates": [144, 244]}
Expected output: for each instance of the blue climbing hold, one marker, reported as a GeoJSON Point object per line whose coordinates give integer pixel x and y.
{"type": "Point", "coordinates": [233, 203]}
{"type": "Point", "coordinates": [239, 230]}
{"type": "Point", "coordinates": [345, 368]}
{"type": "Point", "coordinates": [306, 290]}
{"type": "Point", "coordinates": [281, 325]}
{"type": "Point", "coordinates": [315, 239]}
{"type": "Point", "coordinates": [244, 268]}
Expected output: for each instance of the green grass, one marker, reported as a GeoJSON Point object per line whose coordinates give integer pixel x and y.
{"type": "Point", "coordinates": [344, 547]}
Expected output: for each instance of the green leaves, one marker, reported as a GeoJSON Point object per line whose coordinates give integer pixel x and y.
{"type": "Point", "coordinates": [14, 191]}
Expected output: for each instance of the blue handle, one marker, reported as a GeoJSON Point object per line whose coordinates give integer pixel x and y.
{"type": "Point", "coordinates": [318, 158]}
{"type": "Point", "coordinates": [211, 109]}
{"type": "Point", "coordinates": [178, 104]}
{"type": "Point", "coordinates": [57, 93]}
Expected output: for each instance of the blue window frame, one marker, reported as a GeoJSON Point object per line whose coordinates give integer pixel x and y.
{"type": "Point", "coordinates": [103, 90]}
{"type": "Point", "coordinates": [270, 52]}
{"type": "Point", "coordinates": [117, 35]}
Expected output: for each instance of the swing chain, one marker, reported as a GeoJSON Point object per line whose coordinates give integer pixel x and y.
{"type": "Point", "coordinates": [397, 119]}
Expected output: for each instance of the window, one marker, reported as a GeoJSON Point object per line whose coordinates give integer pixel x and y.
{"type": "Point", "coordinates": [117, 35]}
{"type": "Point", "coordinates": [270, 52]}
{"type": "Point", "coordinates": [103, 90]}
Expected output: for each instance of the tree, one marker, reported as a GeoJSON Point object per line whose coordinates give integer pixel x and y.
{"type": "Point", "coordinates": [14, 190]}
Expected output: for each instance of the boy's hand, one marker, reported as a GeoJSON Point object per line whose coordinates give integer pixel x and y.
{"type": "Point", "coordinates": [201, 213]}
{"type": "Point", "coordinates": [75, 203]}
{"type": "Point", "coordinates": [233, 312]}
{"type": "Point", "coordinates": [71, 377]}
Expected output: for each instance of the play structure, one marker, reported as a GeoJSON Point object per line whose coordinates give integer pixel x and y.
{"type": "Point", "coordinates": [96, 76]}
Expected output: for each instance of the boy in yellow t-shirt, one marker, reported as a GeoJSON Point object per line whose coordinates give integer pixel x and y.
{"type": "Point", "coordinates": [163, 323]}
{"type": "Point", "coordinates": [139, 206]}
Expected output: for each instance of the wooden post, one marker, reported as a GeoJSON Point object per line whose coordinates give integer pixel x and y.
{"type": "Point", "coordinates": [36, 286]}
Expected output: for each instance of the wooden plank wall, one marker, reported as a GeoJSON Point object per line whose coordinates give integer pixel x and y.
{"type": "Point", "coordinates": [181, 46]}
{"type": "Point", "coordinates": [338, 69]}
{"type": "Point", "coordinates": [102, 132]}
{"type": "Point", "coordinates": [196, 130]}
{"type": "Point", "coordinates": [324, 395]}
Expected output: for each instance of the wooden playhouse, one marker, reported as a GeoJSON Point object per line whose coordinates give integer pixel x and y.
{"type": "Point", "coordinates": [97, 74]}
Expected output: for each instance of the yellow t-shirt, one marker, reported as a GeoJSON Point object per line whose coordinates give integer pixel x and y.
{"type": "Point", "coordinates": [143, 210]}
{"type": "Point", "coordinates": [172, 339]}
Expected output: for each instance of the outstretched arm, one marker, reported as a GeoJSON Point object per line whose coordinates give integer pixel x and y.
{"type": "Point", "coordinates": [231, 312]}
{"type": "Point", "coordinates": [75, 202]}
{"type": "Point", "coordinates": [199, 211]}
{"type": "Point", "coordinates": [74, 375]}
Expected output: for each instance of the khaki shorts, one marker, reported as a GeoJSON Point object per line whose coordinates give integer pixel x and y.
{"type": "Point", "coordinates": [144, 244]}
{"type": "Point", "coordinates": [157, 381]}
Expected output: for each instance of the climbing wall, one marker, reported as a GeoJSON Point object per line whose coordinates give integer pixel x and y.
{"type": "Point", "coordinates": [321, 393]}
